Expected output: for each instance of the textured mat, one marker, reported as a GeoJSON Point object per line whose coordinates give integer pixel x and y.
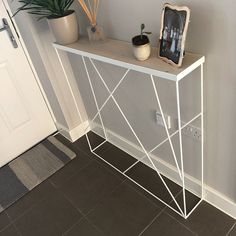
{"type": "Point", "coordinates": [31, 168]}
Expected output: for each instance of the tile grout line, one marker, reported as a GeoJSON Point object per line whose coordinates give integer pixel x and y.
{"type": "Point", "coordinates": [77, 209]}
{"type": "Point", "coordinates": [180, 216]}
{"type": "Point", "coordinates": [162, 211]}
{"type": "Point", "coordinates": [13, 224]}
{"type": "Point", "coordinates": [231, 229]}
{"type": "Point", "coordinates": [16, 228]}
{"type": "Point", "coordinates": [76, 172]}
{"type": "Point", "coordinates": [78, 221]}
{"type": "Point", "coordinates": [5, 226]}
{"type": "Point", "coordinates": [106, 148]}
{"type": "Point", "coordinates": [150, 223]}
{"type": "Point", "coordinates": [96, 227]}
{"type": "Point", "coordinates": [123, 182]}
{"type": "Point", "coordinates": [110, 169]}
{"type": "Point", "coordinates": [181, 223]}
{"type": "Point", "coordinates": [10, 221]}
{"type": "Point", "coordinates": [107, 195]}
{"type": "Point", "coordinates": [85, 146]}
{"type": "Point", "coordinates": [143, 195]}
{"type": "Point", "coordinates": [31, 207]}
{"type": "Point", "coordinates": [93, 158]}
{"type": "Point", "coordinates": [84, 216]}
{"type": "Point", "coordinates": [166, 207]}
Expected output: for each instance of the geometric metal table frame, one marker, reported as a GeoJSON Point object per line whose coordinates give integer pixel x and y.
{"type": "Point", "coordinates": [180, 168]}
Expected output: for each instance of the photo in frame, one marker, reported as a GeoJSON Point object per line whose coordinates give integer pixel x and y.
{"type": "Point", "coordinates": [174, 26]}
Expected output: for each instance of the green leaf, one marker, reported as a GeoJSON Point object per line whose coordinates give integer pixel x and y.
{"type": "Point", "coordinates": [45, 8]}
{"type": "Point", "coordinates": [147, 32]}
{"type": "Point", "coordinates": [142, 27]}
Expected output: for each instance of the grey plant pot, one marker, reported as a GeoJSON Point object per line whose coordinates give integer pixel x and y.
{"type": "Point", "coordinates": [65, 29]}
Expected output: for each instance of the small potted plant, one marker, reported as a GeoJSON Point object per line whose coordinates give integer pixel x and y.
{"type": "Point", "coordinates": [141, 45]}
{"type": "Point", "coordinates": [62, 21]}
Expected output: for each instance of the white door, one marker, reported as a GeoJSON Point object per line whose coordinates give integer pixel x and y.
{"type": "Point", "coordinates": [24, 116]}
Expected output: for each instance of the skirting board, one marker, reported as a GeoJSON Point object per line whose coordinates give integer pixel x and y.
{"type": "Point", "coordinates": [220, 201]}
{"type": "Point", "coordinates": [211, 196]}
{"type": "Point", "coordinates": [75, 133]}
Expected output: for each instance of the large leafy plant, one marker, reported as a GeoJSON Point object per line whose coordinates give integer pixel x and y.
{"type": "Point", "coordinates": [46, 8]}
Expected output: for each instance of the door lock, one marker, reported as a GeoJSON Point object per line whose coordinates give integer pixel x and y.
{"type": "Point", "coordinates": [10, 34]}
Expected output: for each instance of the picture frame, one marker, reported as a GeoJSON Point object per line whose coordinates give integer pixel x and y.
{"type": "Point", "coordinates": [174, 26]}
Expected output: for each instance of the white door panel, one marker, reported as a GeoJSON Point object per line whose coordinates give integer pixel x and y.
{"type": "Point", "coordinates": [15, 99]}
{"type": "Point", "coordinates": [24, 116]}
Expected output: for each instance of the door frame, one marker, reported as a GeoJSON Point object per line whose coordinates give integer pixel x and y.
{"type": "Point", "coordinates": [27, 55]}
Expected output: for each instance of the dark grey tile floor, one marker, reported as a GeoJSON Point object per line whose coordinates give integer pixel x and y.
{"type": "Point", "coordinates": [89, 198]}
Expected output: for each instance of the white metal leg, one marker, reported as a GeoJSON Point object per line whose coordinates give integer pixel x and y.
{"type": "Point", "coordinates": [90, 147]}
{"type": "Point", "coordinates": [180, 144]}
{"type": "Point", "coordinates": [95, 99]}
{"type": "Point", "coordinates": [167, 132]}
{"type": "Point", "coordinates": [202, 130]}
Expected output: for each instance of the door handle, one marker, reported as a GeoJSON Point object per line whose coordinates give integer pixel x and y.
{"type": "Point", "coordinates": [10, 34]}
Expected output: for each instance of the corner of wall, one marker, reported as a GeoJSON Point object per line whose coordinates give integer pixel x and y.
{"type": "Point", "coordinates": [75, 133]}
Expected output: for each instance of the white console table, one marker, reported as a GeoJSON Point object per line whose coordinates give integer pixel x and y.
{"type": "Point", "coordinates": [120, 53]}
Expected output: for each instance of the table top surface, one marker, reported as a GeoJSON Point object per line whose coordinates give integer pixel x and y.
{"type": "Point", "coordinates": [120, 53]}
